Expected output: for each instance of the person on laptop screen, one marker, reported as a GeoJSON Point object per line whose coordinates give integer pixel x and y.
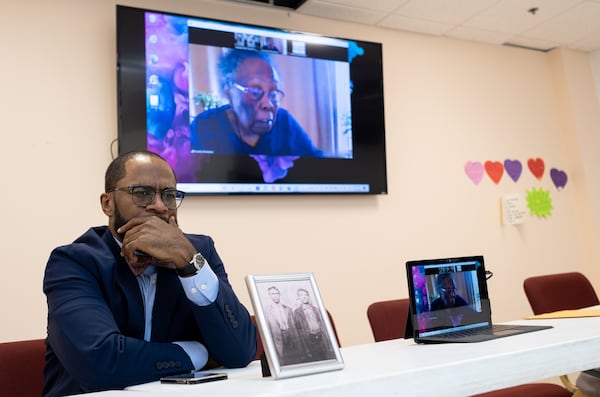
{"type": "Point", "coordinates": [448, 296]}
{"type": "Point", "coordinates": [449, 299]}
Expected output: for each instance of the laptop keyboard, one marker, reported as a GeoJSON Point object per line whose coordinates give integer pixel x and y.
{"type": "Point", "coordinates": [476, 331]}
{"type": "Point", "coordinates": [463, 333]}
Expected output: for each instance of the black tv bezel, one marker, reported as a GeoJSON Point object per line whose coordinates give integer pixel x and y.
{"type": "Point", "coordinates": [368, 165]}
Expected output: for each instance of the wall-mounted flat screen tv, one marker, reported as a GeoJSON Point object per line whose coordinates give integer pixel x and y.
{"type": "Point", "coordinates": [244, 109]}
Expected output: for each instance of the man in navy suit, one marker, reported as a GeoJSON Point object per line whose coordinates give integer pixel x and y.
{"type": "Point", "coordinates": [139, 299]}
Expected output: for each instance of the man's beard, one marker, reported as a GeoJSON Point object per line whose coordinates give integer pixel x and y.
{"type": "Point", "coordinates": [144, 260]}
{"type": "Point", "coordinates": [119, 221]}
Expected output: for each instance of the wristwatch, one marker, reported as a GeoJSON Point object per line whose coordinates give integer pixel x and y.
{"type": "Point", "coordinates": [193, 267]}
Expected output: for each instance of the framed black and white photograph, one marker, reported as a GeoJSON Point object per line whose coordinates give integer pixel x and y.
{"type": "Point", "coordinates": [293, 324]}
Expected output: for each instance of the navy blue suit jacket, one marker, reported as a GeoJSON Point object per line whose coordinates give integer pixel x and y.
{"type": "Point", "coordinates": [96, 319]}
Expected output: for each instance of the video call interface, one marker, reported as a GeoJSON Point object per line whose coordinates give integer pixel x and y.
{"type": "Point", "coordinates": [315, 75]}
{"type": "Point", "coordinates": [455, 303]}
{"type": "Point", "coordinates": [182, 81]}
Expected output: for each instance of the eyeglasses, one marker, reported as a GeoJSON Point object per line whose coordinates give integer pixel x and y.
{"type": "Point", "coordinates": [448, 290]}
{"type": "Point", "coordinates": [255, 94]}
{"type": "Point", "coordinates": [143, 196]}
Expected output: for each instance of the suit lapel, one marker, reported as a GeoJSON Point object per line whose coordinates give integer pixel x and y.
{"type": "Point", "coordinates": [133, 301]}
{"type": "Point", "coordinates": [128, 306]}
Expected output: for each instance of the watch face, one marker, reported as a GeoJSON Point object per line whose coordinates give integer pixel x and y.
{"type": "Point", "coordinates": [199, 260]}
{"type": "Point", "coordinates": [193, 266]}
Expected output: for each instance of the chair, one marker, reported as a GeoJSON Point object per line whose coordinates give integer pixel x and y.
{"type": "Point", "coordinates": [529, 390]}
{"type": "Point", "coordinates": [21, 368]}
{"type": "Point", "coordinates": [561, 291]}
{"type": "Point", "coordinates": [259, 344]}
{"type": "Point", "coordinates": [388, 321]}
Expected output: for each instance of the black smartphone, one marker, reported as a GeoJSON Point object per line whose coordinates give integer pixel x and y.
{"type": "Point", "coordinates": [193, 378]}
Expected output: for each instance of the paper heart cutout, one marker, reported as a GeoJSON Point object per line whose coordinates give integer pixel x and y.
{"type": "Point", "coordinates": [474, 170]}
{"type": "Point", "coordinates": [559, 178]}
{"type": "Point", "coordinates": [494, 170]}
{"type": "Point", "coordinates": [513, 169]}
{"type": "Point", "coordinates": [536, 166]}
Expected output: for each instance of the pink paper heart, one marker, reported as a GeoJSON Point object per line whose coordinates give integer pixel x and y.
{"type": "Point", "coordinates": [474, 170]}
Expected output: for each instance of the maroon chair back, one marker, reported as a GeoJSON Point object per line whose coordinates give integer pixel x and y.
{"type": "Point", "coordinates": [259, 344]}
{"type": "Point", "coordinates": [388, 319]}
{"type": "Point", "coordinates": [529, 390]}
{"type": "Point", "coordinates": [21, 368]}
{"type": "Point", "coordinates": [337, 337]}
{"type": "Point", "coordinates": [562, 291]}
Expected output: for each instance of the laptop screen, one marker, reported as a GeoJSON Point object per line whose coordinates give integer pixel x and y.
{"type": "Point", "coordinates": [448, 295]}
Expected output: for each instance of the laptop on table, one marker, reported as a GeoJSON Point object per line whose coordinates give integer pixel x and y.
{"type": "Point", "coordinates": [449, 302]}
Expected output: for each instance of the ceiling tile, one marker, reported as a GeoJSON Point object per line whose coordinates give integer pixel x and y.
{"type": "Point", "coordinates": [542, 45]}
{"type": "Point", "coordinates": [588, 44]}
{"type": "Point", "coordinates": [414, 25]}
{"type": "Point", "coordinates": [484, 36]}
{"type": "Point", "coordinates": [555, 23]}
{"type": "Point", "coordinates": [452, 12]}
{"type": "Point", "coordinates": [579, 22]}
{"type": "Point", "coordinates": [513, 16]}
{"type": "Point", "coordinates": [375, 5]}
{"type": "Point", "coordinates": [332, 11]}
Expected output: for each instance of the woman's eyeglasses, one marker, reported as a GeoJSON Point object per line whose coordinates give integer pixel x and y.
{"type": "Point", "coordinates": [255, 94]}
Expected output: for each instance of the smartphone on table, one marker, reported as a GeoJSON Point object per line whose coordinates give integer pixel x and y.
{"type": "Point", "coordinates": [193, 378]}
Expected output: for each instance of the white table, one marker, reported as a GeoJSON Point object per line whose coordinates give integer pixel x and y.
{"type": "Point", "coordinates": [403, 368]}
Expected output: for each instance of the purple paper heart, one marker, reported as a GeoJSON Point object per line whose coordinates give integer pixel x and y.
{"type": "Point", "coordinates": [559, 178]}
{"type": "Point", "coordinates": [513, 169]}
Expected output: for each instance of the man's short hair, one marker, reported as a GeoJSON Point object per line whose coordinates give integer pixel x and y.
{"type": "Point", "coordinates": [116, 169]}
{"type": "Point", "coordinates": [442, 276]}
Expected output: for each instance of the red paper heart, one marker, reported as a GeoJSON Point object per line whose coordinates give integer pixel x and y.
{"type": "Point", "coordinates": [494, 169]}
{"type": "Point", "coordinates": [536, 166]}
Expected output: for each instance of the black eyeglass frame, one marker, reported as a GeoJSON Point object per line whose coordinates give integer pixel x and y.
{"type": "Point", "coordinates": [139, 201]}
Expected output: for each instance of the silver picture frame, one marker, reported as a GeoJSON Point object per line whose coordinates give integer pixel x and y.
{"type": "Point", "coordinates": [293, 324]}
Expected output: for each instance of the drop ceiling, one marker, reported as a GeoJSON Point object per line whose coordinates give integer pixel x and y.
{"type": "Point", "coordinates": [540, 25]}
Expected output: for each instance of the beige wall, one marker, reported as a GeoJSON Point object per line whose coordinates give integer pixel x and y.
{"type": "Point", "coordinates": [447, 102]}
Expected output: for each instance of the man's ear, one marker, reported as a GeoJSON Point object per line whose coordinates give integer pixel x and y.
{"type": "Point", "coordinates": [106, 201]}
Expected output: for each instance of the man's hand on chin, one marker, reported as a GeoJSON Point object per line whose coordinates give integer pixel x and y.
{"type": "Point", "coordinates": [146, 239]}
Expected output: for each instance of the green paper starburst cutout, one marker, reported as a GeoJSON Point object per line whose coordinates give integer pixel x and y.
{"type": "Point", "coordinates": [539, 202]}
